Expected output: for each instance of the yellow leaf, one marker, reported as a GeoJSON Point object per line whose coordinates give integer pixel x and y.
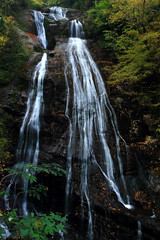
{"type": "Point", "coordinates": [38, 224]}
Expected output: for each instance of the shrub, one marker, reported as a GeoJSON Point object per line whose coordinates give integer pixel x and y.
{"type": "Point", "coordinates": [13, 52]}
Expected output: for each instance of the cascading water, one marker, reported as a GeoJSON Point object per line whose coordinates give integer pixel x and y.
{"type": "Point", "coordinates": [58, 13]}
{"type": "Point", "coordinates": [139, 233]}
{"type": "Point", "coordinates": [90, 120]}
{"type": "Point", "coordinates": [28, 144]}
{"type": "Point", "coordinates": [6, 233]}
{"type": "Point", "coordinates": [39, 21]}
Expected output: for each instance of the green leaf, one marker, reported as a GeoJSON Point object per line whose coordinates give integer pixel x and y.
{"type": "Point", "coordinates": [24, 232]}
{"type": "Point", "coordinates": [38, 196]}
{"type": "Point", "coordinates": [32, 214]}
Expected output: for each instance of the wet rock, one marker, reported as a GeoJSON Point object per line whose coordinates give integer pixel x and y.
{"type": "Point", "coordinates": [148, 121]}
{"type": "Point", "coordinates": [51, 53]}
{"type": "Point", "coordinates": [55, 29]}
{"type": "Point", "coordinates": [119, 101]}
{"type": "Point", "coordinates": [142, 164]}
{"type": "Point", "coordinates": [29, 42]}
{"type": "Point", "coordinates": [74, 14]}
{"type": "Point", "coordinates": [55, 124]}
{"type": "Point", "coordinates": [27, 31]}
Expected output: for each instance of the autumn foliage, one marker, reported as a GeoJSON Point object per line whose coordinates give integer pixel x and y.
{"type": "Point", "coordinates": [129, 31]}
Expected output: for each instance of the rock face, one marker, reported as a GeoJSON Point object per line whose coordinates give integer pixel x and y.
{"type": "Point", "coordinates": [54, 130]}
{"type": "Point", "coordinates": [111, 220]}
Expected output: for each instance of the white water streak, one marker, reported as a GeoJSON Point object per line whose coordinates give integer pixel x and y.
{"type": "Point", "coordinates": [39, 21]}
{"type": "Point", "coordinates": [6, 233]}
{"type": "Point", "coordinates": [58, 13]}
{"type": "Point", "coordinates": [88, 121]}
{"type": "Point", "coordinates": [139, 233]}
{"type": "Point", "coordinates": [28, 145]}
{"type": "Point", "coordinates": [29, 154]}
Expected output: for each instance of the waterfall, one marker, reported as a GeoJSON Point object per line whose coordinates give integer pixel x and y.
{"type": "Point", "coordinates": [6, 233]}
{"type": "Point", "coordinates": [76, 30]}
{"type": "Point", "coordinates": [58, 13]}
{"type": "Point", "coordinates": [39, 21]}
{"type": "Point", "coordinates": [139, 232]}
{"type": "Point", "coordinates": [90, 120]}
{"type": "Point", "coordinates": [28, 147]}
{"type": "Point", "coordinates": [28, 144]}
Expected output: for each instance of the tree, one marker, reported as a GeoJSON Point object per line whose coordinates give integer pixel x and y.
{"type": "Point", "coordinates": [13, 52]}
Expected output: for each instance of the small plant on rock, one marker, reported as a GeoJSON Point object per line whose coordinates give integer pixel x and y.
{"type": "Point", "coordinates": [35, 226]}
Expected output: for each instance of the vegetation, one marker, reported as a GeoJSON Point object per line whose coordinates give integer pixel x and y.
{"type": "Point", "coordinates": [34, 226]}
{"type": "Point", "coordinates": [9, 7]}
{"type": "Point", "coordinates": [5, 155]}
{"type": "Point", "coordinates": [37, 226]}
{"type": "Point", "coordinates": [13, 52]}
{"type": "Point", "coordinates": [129, 30]}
